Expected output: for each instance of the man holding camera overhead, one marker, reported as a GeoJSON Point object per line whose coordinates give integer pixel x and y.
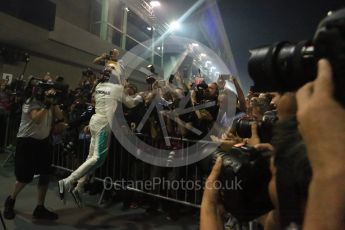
{"type": "Point", "coordinates": [33, 152]}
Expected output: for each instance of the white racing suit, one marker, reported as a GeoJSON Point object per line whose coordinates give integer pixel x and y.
{"type": "Point", "coordinates": [107, 95]}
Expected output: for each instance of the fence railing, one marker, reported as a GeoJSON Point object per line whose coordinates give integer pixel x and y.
{"type": "Point", "coordinates": [123, 171]}
{"type": "Point", "coordinates": [9, 124]}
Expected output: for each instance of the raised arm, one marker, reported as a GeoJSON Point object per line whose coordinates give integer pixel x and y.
{"type": "Point", "coordinates": [322, 125]}
{"type": "Point", "coordinates": [210, 216]}
{"type": "Point", "coordinates": [131, 102]}
{"type": "Point", "coordinates": [240, 94]}
{"type": "Point", "coordinates": [100, 60]}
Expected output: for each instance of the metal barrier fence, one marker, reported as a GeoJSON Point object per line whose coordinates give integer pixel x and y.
{"type": "Point", "coordinates": [124, 172]}
{"type": "Point", "coordinates": [9, 124]}
{"type": "Point", "coordinates": [120, 167]}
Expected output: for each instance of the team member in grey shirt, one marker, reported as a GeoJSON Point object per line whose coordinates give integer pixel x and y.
{"type": "Point", "coordinates": [33, 151]}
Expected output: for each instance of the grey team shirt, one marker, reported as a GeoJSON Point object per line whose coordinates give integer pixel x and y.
{"type": "Point", "coordinates": [28, 128]}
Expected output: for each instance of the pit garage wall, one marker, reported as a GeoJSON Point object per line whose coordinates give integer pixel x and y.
{"type": "Point", "coordinates": [39, 66]}
{"type": "Point", "coordinates": [66, 51]}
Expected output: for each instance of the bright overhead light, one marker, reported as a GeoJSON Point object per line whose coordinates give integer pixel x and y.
{"type": "Point", "coordinates": [203, 55]}
{"type": "Point", "coordinates": [155, 3]}
{"type": "Point", "coordinates": [195, 44]}
{"type": "Point", "coordinates": [158, 48]}
{"type": "Point", "coordinates": [149, 28]}
{"type": "Point", "coordinates": [175, 25]}
{"type": "Point", "coordinates": [127, 9]}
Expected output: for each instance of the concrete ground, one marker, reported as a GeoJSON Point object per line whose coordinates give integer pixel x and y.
{"type": "Point", "coordinates": [89, 217]}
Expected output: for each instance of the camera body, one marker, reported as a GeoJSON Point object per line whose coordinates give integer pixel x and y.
{"type": "Point", "coordinates": [200, 91]}
{"type": "Point", "coordinates": [264, 127]}
{"type": "Point", "coordinates": [244, 177]}
{"type": "Point", "coordinates": [285, 66]}
{"type": "Point", "coordinates": [38, 88]}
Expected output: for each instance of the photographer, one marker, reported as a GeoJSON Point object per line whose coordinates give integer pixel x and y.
{"type": "Point", "coordinates": [324, 136]}
{"type": "Point", "coordinates": [291, 173]}
{"type": "Point", "coordinates": [212, 209]}
{"type": "Point", "coordinates": [33, 152]}
{"type": "Point", "coordinates": [204, 94]}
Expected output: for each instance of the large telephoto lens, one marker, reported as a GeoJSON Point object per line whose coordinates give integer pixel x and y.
{"type": "Point", "coordinates": [282, 67]}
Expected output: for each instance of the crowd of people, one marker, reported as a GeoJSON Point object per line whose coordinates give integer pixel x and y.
{"type": "Point", "coordinates": [307, 163]}
{"type": "Point", "coordinates": [306, 186]}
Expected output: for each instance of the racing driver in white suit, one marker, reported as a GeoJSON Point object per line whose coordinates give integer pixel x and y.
{"type": "Point", "coordinates": [108, 93]}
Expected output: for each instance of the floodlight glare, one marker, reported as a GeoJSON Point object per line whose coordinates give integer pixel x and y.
{"type": "Point", "coordinates": [175, 25]}
{"type": "Point", "coordinates": [155, 3]}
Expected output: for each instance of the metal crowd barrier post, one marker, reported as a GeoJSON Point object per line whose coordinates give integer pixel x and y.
{"type": "Point", "coordinates": [122, 166]}
{"type": "Point", "coordinates": [2, 221]}
{"type": "Point", "coordinates": [4, 120]}
{"type": "Point", "coordinates": [9, 136]}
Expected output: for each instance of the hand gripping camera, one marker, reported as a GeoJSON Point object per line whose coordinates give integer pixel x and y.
{"type": "Point", "coordinates": [285, 66]}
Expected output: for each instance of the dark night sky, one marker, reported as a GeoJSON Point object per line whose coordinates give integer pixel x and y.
{"type": "Point", "coordinates": [252, 23]}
